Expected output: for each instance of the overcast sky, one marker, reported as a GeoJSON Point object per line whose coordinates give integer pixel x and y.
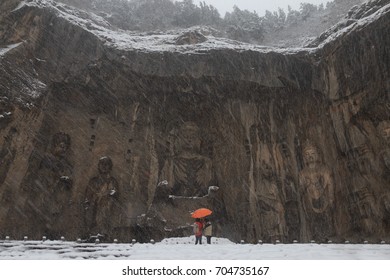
{"type": "Point", "coordinates": [260, 6]}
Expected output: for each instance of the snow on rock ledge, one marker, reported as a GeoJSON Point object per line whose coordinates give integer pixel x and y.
{"type": "Point", "coordinates": [167, 41]}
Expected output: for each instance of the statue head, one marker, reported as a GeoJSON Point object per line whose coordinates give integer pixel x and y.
{"type": "Point", "coordinates": [266, 170]}
{"type": "Point", "coordinates": [355, 104]}
{"type": "Point", "coordinates": [60, 144]}
{"type": "Point", "coordinates": [105, 165]}
{"type": "Point", "coordinates": [189, 139]}
{"type": "Point", "coordinates": [311, 154]}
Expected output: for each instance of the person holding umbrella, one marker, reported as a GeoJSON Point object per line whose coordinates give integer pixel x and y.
{"type": "Point", "coordinates": [198, 228]}
{"type": "Point", "coordinates": [198, 225]}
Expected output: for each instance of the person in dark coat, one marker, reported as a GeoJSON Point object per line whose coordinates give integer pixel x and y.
{"type": "Point", "coordinates": [208, 230]}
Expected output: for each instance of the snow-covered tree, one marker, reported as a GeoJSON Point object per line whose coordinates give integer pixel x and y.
{"type": "Point", "coordinates": [244, 25]}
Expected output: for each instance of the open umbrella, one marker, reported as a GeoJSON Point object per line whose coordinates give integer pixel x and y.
{"type": "Point", "coordinates": [201, 212]}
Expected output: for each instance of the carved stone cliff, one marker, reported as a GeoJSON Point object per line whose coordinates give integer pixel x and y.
{"type": "Point", "coordinates": [125, 134]}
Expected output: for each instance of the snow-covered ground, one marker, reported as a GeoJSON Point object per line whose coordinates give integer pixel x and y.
{"type": "Point", "coordinates": [222, 259]}
{"type": "Point", "coordinates": [183, 249]}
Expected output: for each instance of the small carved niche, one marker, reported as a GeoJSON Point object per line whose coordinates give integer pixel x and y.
{"type": "Point", "coordinates": [167, 147]}
{"type": "Point", "coordinates": [92, 123]}
{"type": "Point", "coordinates": [128, 156]}
{"type": "Point", "coordinates": [247, 147]}
{"type": "Point", "coordinates": [92, 142]}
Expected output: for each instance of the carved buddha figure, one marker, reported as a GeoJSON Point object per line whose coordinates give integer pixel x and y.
{"type": "Point", "coordinates": [188, 171]}
{"type": "Point", "coordinates": [270, 204]}
{"type": "Point", "coordinates": [101, 197]}
{"type": "Point", "coordinates": [316, 183]}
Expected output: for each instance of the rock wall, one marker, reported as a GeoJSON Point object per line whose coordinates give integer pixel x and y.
{"type": "Point", "coordinates": [94, 139]}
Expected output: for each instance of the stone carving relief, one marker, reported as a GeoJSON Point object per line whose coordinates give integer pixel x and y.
{"type": "Point", "coordinates": [265, 194]}
{"type": "Point", "coordinates": [56, 171]}
{"type": "Point", "coordinates": [383, 129]}
{"type": "Point", "coordinates": [384, 154]}
{"type": "Point", "coordinates": [365, 212]}
{"type": "Point", "coordinates": [317, 194]}
{"type": "Point", "coordinates": [270, 205]}
{"type": "Point", "coordinates": [7, 154]}
{"type": "Point", "coordinates": [188, 172]}
{"type": "Point", "coordinates": [101, 199]}
{"type": "Point", "coordinates": [186, 184]}
{"type": "Point", "coordinates": [289, 184]}
{"type": "Point", "coordinates": [369, 173]}
{"type": "Point", "coordinates": [54, 177]}
{"type": "Point", "coordinates": [49, 186]}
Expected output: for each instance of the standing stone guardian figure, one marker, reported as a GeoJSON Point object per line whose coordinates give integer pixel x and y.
{"type": "Point", "coordinates": [317, 193]}
{"type": "Point", "coordinates": [55, 176]}
{"type": "Point", "coordinates": [101, 199]}
{"type": "Point", "coordinates": [270, 205]}
{"type": "Point", "coordinates": [49, 186]}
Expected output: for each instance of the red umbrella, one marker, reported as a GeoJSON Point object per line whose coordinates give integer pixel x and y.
{"type": "Point", "coordinates": [201, 212]}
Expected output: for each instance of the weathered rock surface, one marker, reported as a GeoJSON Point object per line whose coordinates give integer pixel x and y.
{"type": "Point", "coordinates": [123, 134]}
